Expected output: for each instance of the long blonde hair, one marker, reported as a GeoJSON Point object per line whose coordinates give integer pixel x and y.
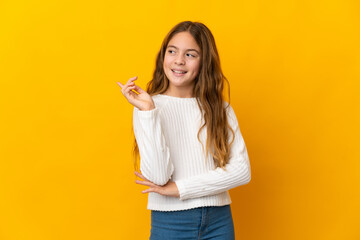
{"type": "Point", "coordinates": [208, 90]}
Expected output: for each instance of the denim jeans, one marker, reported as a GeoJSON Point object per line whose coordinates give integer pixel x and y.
{"type": "Point", "coordinates": [214, 223]}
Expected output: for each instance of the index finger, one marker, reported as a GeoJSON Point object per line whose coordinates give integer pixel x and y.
{"type": "Point", "coordinates": [120, 84]}
{"type": "Point", "coordinates": [131, 79]}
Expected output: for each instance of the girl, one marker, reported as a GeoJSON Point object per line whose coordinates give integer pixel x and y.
{"type": "Point", "coordinates": [181, 109]}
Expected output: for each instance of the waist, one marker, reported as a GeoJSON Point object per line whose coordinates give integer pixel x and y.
{"type": "Point", "coordinates": [159, 202]}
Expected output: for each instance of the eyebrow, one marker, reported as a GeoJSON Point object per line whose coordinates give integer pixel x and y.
{"type": "Point", "coordinates": [190, 49]}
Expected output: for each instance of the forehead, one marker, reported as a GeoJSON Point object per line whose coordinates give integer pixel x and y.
{"type": "Point", "coordinates": [184, 40]}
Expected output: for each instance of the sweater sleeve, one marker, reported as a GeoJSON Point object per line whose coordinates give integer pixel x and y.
{"type": "Point", "coordinates": [155, 163]}
{"type": "Point", "coordinates": [238, 171]}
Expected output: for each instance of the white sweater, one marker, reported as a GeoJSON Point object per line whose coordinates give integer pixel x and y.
{"type": "Point", "coordinates": [169, 150]}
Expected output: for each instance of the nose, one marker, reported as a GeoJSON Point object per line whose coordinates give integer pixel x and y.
{"type": "Point", "coordinates": [180, 60]}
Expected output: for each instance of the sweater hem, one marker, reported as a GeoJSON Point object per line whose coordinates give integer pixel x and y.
{"type": "Point", "coordinates": [180, 208]}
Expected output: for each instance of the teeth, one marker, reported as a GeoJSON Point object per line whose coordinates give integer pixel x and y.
{"type": "Point", "coordinates": [178, 71]}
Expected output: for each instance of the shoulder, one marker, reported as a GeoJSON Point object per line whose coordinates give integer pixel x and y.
{"type": "Point", "coordinates": [229, 109]}
{"type": "Point", "coordinates": [156, 98]}
{"type": "Point", "coordinates": [159, 100]}
{"type": "Point", "coordinates": [231, 115]}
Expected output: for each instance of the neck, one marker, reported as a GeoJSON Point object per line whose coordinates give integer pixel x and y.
{"type": "Point", "coordinates": [181, 93]}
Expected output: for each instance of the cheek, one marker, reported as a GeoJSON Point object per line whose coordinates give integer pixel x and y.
{"type": "Point", "coordinates": [166, 66]}
{"type": "Point", "coordinates": [197, 67]}
{"type": "Point", "coordinates": [166, 62]}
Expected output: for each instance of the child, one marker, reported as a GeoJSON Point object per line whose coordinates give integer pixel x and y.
{"type": "Point", "coordinates": [181, 109]}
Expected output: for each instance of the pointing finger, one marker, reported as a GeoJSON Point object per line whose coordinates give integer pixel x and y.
{"type": "Point", "coordinates": [131, 79]}
{"type": "Point", "coordinates": [128, 82]}
{"type": "Point", "coordinates": [119, 83]}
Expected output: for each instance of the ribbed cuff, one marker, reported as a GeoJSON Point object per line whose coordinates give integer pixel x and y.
{"type": "Point", "coordinates": [147, 114]}
{"type": "Point", "coordinates": [181, 188]}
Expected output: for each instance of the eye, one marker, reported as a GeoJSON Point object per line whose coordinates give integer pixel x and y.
{"type": "Point", "coordinates": [191, 55]}
{"type": "Point", "coordinates": [170, 51]}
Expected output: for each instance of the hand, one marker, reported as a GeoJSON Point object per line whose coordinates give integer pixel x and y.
{"type": "Point", "coordinates": [142, 101]}
{"type": "Point", "coordinates": [169, 189]}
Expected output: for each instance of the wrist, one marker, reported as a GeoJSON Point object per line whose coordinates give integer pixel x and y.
{"type": "Point", "coordinates": [147, 109]}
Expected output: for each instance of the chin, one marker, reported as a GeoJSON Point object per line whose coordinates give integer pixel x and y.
{"type": "Point", "coordinates": [176, 84]}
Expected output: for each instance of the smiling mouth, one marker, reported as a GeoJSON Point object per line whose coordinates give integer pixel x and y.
{"type": "Point", "coordinates": [178, 72]}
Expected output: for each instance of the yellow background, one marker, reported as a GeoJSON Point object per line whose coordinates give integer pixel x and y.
{"type": "Point", "coordinates": [66, 170]}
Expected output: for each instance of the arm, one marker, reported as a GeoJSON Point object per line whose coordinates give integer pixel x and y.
{"type": "Point", "coordinates": [155, 162]}
{"type": "Point", "coordinates": [237, 171]}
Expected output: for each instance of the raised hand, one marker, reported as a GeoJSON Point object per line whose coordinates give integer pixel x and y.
{"type": "Point", "coordinates": [142, 100]}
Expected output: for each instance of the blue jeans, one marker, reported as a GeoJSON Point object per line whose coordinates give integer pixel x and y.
{"type": "Point", "coordinates": [214, 223]}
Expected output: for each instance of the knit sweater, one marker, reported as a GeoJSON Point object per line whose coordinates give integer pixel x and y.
{"type": "Point", "coordinates": [169, 150]}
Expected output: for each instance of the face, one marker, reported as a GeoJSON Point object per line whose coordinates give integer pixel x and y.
{"type": "Point", "coordinates": [182, 61]}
